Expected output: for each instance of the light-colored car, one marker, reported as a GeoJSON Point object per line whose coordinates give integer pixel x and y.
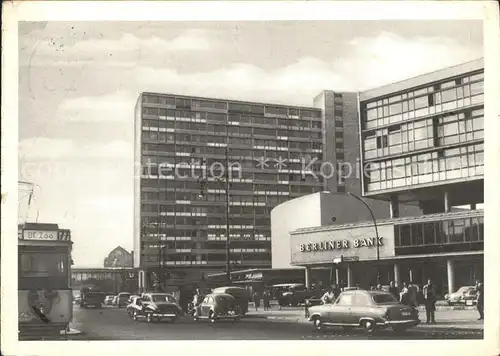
{"type": "Point", "coordinates": [121, 299]}
{"type": "Point", "coordinates": [109, 300]}
{"type": "Point", "coordinates": [370, 310]}
{"type": "Point", "coordinates": [155, 307]}
{"type": "Point", "coordinates": [464, 294]}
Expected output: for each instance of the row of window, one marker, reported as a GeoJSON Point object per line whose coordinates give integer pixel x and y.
{"type": "Point", "coordinates": [202, 140]}
{"type": "Point", "coordinates": [463, 162]}
{"type": "Point", "coordinates": [207, 130]}
{"type": "Point", "coordinates": [430, 89]}
{"type": "Point", "coordinates": [426, 105]}
{"type": "Point", "coordinates": [442, 130]}
{"type": "Point", "coordinates": [464, 230]}
{"type": "Point", "coordinates": [232, 108]}
{"type": "Point", "coordinates": [258, 147]}
{"type": "Point", "coordinates": [248, 122]}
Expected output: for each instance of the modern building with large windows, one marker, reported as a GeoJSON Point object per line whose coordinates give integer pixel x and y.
{"type": "Point", "coordinates": [274, 152]}
{"type": "Point", "coordinates": [421, 142]}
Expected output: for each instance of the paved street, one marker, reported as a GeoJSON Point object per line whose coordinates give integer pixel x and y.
{"type": "Point", "coordinates": [114, 324]}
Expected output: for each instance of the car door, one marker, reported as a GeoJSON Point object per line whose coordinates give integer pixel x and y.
{"type": "Point", "coordinates": [203, 308]}
{"type": "Point", "coordinates": [339, 311]}
{"type": "Point", "coordinates": [360, 308]}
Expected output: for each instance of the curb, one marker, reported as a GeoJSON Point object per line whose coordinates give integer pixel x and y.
{"type": "Point", "coordinates": [421, 326]}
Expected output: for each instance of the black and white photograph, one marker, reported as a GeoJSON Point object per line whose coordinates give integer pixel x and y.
{"type": "Point", "coordinates": [274, 178]}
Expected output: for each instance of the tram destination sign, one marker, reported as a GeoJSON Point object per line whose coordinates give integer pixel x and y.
{"type": "Point", "coordinates": [40, 235]}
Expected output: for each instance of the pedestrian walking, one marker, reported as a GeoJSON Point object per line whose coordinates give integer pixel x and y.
{"type": "Point", "coordinates": [429, 294]}
{"type": "Point", "coordinates": [480, 299]}
{"type": "Point", "coordinates": [267, 300]}
{"type": "Point", "coordinates": [394, 290]}
{"type": "Point", "coordinates": [256, 300]}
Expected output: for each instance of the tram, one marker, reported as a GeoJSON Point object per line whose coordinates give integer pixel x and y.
{"type": "Point", "coordinates": [44, 275]}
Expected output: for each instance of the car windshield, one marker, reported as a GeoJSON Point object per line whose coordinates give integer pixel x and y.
{"type": "Point", "coordinates": [463, 289]}
{"type": "Point", "coordinates": [384, 298]}
{"type": "Point", "coordinates": [163, 298]}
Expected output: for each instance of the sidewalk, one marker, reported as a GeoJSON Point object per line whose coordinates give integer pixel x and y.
{"type": "Point", "coordinates": [445, 319]}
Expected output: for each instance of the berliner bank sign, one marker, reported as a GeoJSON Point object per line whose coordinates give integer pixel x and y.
{"type": "Point", "coordinates": [323, 246]}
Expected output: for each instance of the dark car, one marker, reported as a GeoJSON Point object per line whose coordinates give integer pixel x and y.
{"type": "Point", "coordinates": [155, 307]}
{"type": "Point", "coordinates": [291, 294]}
{"type": "Point", "coordinates": [218, 306]}
{"type": "Point", "coordinates": [240, 295]}
{"type": "Point", "coordinates": [91, 296]}
{"type": "Point", "coordinates": [370, 310]}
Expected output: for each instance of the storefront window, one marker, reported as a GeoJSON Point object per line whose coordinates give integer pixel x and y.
{"type": "Point", "coordinates": [429, 234]}
{"type": "Point", "coordinates": [405, 235]}
{"type": "Point", "coordinates": [417, 234]}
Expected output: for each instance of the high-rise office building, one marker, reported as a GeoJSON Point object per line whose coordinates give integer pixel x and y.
{"type": "Point", "coordinates": [274, 153]}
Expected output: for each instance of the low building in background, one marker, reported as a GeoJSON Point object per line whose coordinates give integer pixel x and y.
{"type": "Point", "coordinates": [119, 257]}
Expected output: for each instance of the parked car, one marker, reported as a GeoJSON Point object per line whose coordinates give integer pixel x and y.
{"type": "Point", "coordinates": [216, 307]}
{"type": "Point", "coordinates": [109, 299]}
{"type": "Point", "coordinates": [370, 310]}
{"type": "Point", "coordinates": [241, 296]}
{"type": "Point", "coordinates": [291, 294]}
{"type": "Point", "coordinates": [136, 302]}
{"type": "Point", "coordinates": [464, 295]}
{"type": "Point", "coordinates": [121, 299]}
{"type": "Point", "coordinates": [131, 298]}
{"type": "Point", "coordinates": [155, 307]}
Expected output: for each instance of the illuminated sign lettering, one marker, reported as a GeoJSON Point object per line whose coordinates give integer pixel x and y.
{"type": "Point", "coordinates": [340, 244]}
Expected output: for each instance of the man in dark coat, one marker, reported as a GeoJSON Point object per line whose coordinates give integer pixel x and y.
{"type": "Point", "coordinates": [394, 290]}
{"type": "Point", "coordinates": [429, 294]}
{"type": "Point", "coordinates": [480, 299]}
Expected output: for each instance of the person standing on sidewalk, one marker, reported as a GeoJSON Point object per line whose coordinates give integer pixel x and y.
{"type": "Point", "coordinates": [429, 293]}
{"type": "Point", "coordinates": [256, 300]}
{"type": "Point", "coordinates": [267, 300]}
{"type": "Point", "coordinates": [393, 289]}
{"type": "Point", "coordinates": [480, 299]}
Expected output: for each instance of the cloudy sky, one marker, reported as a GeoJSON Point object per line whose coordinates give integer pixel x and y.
{"type": "Point", "coordinates": [79, 83]}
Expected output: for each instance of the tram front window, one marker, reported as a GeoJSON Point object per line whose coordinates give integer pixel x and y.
{"type": "Point", "coordinates": [43, 270]}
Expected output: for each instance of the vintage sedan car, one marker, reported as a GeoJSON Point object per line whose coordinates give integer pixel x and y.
{"type": "Point", "coordinates": [464, 295]}
{"type": "Point", "coordinates": [155, 307]}
{"type": "Point", "coordinates": [109, 299]}
{"type": "Point", "coordinates": [216, 307]}
{"type": "Point", "coordinates": [370, 310]}
{"type": "Point", "coordinates": [121, 300]}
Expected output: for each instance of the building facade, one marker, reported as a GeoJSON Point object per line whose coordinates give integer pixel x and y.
{"type": "Point", "coordinates": [421, 143]}
{"type": "Point", "coordinates": [109, 279]}
{"type": "Point", "coordinates": [274, 153]}
{"type": "Point", "coordinates": [119, 257]}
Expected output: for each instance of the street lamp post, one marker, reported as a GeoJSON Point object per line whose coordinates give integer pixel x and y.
{"type": "Point", "coordinates": [376, 232]}
{"type": "Point", "coordinates": [224, 182]}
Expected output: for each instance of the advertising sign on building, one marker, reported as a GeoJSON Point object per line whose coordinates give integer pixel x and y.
{"type": "Point", "coordinates": [326, 246]}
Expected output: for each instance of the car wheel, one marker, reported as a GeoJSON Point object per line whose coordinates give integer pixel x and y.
{"type": "Point", "coordinates": [368, 326]}
{"type": "Point", "coordinates": [174, 319]}
{"type": "Point", "coordinates": [149, 318]}
{"type": "Point", "coordinates": [135, 316]}
{"type": "Point", "coordinates": [212, 317]}
{"type": "Point", "coordinates": [318, 324]}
